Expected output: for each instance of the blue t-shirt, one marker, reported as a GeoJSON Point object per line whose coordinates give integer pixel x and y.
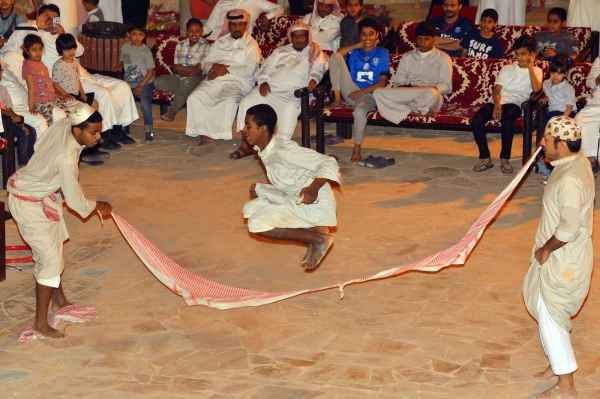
{"type": "Point", "coordinates": [479, 47]}
{"type": "Point", "coordinates": [455, 31]}
{"type": "Point", "coordinates": [366, 67]}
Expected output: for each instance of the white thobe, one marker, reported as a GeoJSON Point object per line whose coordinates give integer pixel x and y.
{"type": "Point", "coordinates": [325, 31]}
{"type": "Point", "coordinates": [290, 168]}
{"type": "Point", "coordinates": [213, 104]}
{"type": "Point", "coordinates": [53, 167]}
{"type": "Point", "coordinates": [286, 70]}
{"type": "Point", "coordinates": [589, 116]}
{"type": "Point", "coordinates": [430, 72]}
{"type": "Point", "coordinates": [19, 97]}
{"type": "Point", "coordinates": [214, 24]}
{"type": "Point", "coordinates": [583, 13]}
{"type": "Point", "coordinates": [563, 281]}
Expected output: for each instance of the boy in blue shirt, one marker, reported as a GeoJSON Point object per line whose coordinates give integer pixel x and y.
{"type": "Point", "coordinates": [451, 26]}
{"type": "Point", "coordinates": [368, 69]}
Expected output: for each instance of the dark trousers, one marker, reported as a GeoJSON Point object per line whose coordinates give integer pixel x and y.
{"type": "Point", "coordinates": [25, 142]}
{"type": "Point", "coordinates": [510, 113]}
{"type": "Point", "coordinates": [132, 9]}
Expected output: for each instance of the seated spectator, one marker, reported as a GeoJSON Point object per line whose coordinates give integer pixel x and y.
{"type": "Point", "coordinates": [556, 41]}
{"type": "Point", "coordinates": [296, 65]}
{"type": "Point", "coordinates": [187, 67]}
{"type": "Point", "coordinates": [94, 13]}
{"type": "Point", "coordinates": [25, 135]}
{"type": "Point", "coordinates": [589, 118]}
{"type": "Point", "coordinates": [514, 85]}
{"type": "Point", "coordinates": [368, 69]}
{"type": "Point", "coordinates": [214, 25]}
{"type": "Point", "coordinates": [451, 26]}
{"type": "Point", "coordinates": [10, 19]}
{"type": "Point", "coordinates": [324, 24]}
{"type": "Point", "coordinates": [349, 33]}
{"type": "Point", "coordinates": [423, 77]}
{"type": "Point", "coordinates": [480, 43]}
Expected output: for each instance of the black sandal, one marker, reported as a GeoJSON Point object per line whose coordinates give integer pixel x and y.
{"type": "Point", "coordinates": [239, 154]}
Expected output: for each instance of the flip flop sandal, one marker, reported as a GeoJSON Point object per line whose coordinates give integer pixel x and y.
{"type": "Point", "coordinates": [237, 154]}
{"type": "Point", "coordinates": [506, 169]}
{"type": "Point", "coordinates": [364, 161]}
{"type": "Point", "coordinates": [482, 167]}
{"type": "Point", "coordinates": [381, 162]}
{"type": "Point", "coordinates": [77, 313]}
{"type": "Point", "coordinates": [26, 333]}
{"type": "Point", "coordinates": [202, 148]}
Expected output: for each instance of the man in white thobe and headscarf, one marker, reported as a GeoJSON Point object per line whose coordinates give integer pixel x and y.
{"type": "Point", "coordinates": [36, 195]}
{"type": "Point", "coordinates": [116, 102]}
{"type": "Point", "coordinates": [324, 23]}
{"type": "Point", "coordinates": [230, 68]}
{"type": "Point", "coordinates": [214, 24]}
{"type": "Point", "coordinates": [299, 64]}
{"type": "Point", "coordinates": [298, 204]}
{"type": "Point", "coordinates": [558, 279]}
{"type": "Point", "coordinates": [424, 76]}
{"type": "Point", "coordinates": [589, 118]}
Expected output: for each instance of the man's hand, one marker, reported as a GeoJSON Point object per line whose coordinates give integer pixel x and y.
{"type": "Point", "coordinates": [309, 194]}
{"type": "Point", "coordinates": [104, 208]}
{"type": "Point", "coordinates": [264, 23]}
{"type": "Point", "coordinates": [312, 85]}
{"type": "Point", "coordinates": [355, 95]}
{"type": "Point", "coordinates": [541, 255]}
{"type": "Point", "coordinates": [548, 52]}
{"type": "Point", "coordinates": [60, 30]}
{"type": "Point", "coordinates": [217, 70]}
{"type": "Point", "coordinates": [137, 91]}
{"type": "Point", "coordinates": [84, 97]}
{"type": "Point", "coordinates": [15, 118]}
{"type": "Point", "coordinates": [497, 114]}
{"type": "Point", "coordinates": [264, 89]}
{"type": "Point", "coordinates": [32, 111]}
{"type": "Point", "coordinates": [253, 190]}
{"type": "Point", "coordinates": [544, 100]}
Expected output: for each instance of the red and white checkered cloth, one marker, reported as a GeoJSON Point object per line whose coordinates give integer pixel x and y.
{"type": "Point", "coordinates": [197, 290]}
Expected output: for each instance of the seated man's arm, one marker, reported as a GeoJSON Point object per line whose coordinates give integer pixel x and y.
{"type": "Point", "coordinates": [451, 45]}
{"type": "Point", "coordinates": [593, 79]}
{"type": "Point", "coordinates": [273, 10]}
{"type": "Point", "coordinates": [317, 71]}
{"type": "Point", "coordinates": [251, 63]}
{"type": "Point", "coordinates": [327, 35]}
{"type": "Point", "coordinates": [445, 77]}
{"type": "Point", "coordinates": [442, 41]}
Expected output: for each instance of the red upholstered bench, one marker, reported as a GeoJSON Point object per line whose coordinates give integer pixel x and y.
{"type": "Point", "coordinates": [508, 34]}
{"type": "Point", "coordinates": [472, 83]}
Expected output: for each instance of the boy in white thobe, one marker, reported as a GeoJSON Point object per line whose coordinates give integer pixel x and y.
{"type": "Point", "coordinates": [324, 23]}
{"type": "Point", "coordinates": [559, 277]}
{"type": "Point", "coordinates": [230, 68]}
{"type": "Point", "coordinates": [425, 75]}
{"type": "Point", "coordinates": [299, 203]}
{"type": "Point", "coordinates": [35, 201]}
{"type": "Point", "coordinates": [589, 117]}
{"type": "Point", "coordinates": [296, 65]}
{"type": "Point", "coordinates": [214, 24]}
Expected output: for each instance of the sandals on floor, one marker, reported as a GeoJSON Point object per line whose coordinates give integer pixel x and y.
{"type": "Point", "coordinates": [364, 161]}
{"type": "Point", "coordinates": [506, 169]}
{"type": "Point", "coordinates": [202, 149]}
{"type": "Point", "coordinates": [482, 167]}
{"type": "Point", "coordinates": [376, 163]}
{"type": "Point", "coordinates": [238, 154]}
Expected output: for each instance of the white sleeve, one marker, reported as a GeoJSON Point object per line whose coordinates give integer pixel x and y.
{"type": "Point", "coordinates": [272, 9]}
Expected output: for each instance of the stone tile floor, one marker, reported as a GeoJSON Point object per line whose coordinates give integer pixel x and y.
{"type": "Point", "coordinates": [460, 333]}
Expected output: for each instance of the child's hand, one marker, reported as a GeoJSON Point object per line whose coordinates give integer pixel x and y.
{"type": "Point", "coordinates": [137, 91]}
{"type": "Point", "coordinates": [68, 98]}
{"type": "Point", "coordinates": [84, 97]}
{"type": "Point", "coordinates": [497, 111]}
{"type": "Point", "coordinates": [15, 118]}
{"type": "Point", "coordinates": [544, 100]}
{"type": "Point", "coordinates": [33, 111]}
{"type": "Point", "coordinates": [118, 68]}
{"type": "Point", "coordinates": [548, 52]}
{"type": "Point", "coordinates": [355, 95]}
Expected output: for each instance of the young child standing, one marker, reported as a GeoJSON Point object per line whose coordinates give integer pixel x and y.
{"type": "Point", "coordinates": [65, 72]}
{"type": "Point", "coordinates": [555, 40]}
{"type": "Point", "coordinates": [37, 77]}
{"type": "Point", "coordinates": [25, 135]}
{"type": "Point", "coordinates": [138, 64]}
{"type": "Point", "coordinates": [513, 86]}
{"type": "Point", "coordinates": [94, 14]}
{"type": "Point", "coordinates": [349, 32]}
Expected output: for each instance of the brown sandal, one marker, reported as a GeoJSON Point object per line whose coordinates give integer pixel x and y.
{"type": "Point", "coordinates": [239, 154]}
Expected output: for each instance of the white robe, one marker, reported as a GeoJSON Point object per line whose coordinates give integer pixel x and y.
{"type": "Point", "coordinates": [329, 38]}
{"type": "Point", "coordinates": [53, 166]}
{"type": "Point", "coordinates": [213, 104]}
{"type": "Point", "coordinates": [253, 7]}
{"type": "Point", "coordinates": [290, 168]}
{"type": "Point", "coordinates": [582, 13]}
{"type": "Point", "coordinates": [589, 116]}
{"type": "Point", "coordinates": [286, 70]}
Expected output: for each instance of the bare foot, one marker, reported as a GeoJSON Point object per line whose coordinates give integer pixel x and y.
{"type": "Point", "coordinates": [557, 392]}
{"type": "Point", "coordinates": [356, 153]}
{"type": "Point", "coordinates": [336, 103]}
{"type": "Point", "coordinates": [318, 229]}
{"type": "Point", "coordinates": [58, 306]}
{"type": "Point", "coordinates": [48, 332]}
{"type": "Point", "coordinates": [306, 254]}
{"type": "Point", "coordinates": [545, 375]}
{"type": "Point", "coordinates": [319, 251]}
{"type": "Point", "coordinates": [432, 113]}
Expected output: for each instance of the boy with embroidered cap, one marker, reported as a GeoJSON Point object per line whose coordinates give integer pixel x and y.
{"type": "Point", "coordinates": [35, 199]}
{"type": "Point", "coordinates": [558, 279]}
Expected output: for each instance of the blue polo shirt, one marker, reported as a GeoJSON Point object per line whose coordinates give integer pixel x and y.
{"type": "Point", "coordinates": [366, 67]}
{"type": "Point", "coordinates": [455, 31]}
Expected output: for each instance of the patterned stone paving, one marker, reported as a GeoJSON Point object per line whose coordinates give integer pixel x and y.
{"type": "Point", "coordinates": [460, 333]}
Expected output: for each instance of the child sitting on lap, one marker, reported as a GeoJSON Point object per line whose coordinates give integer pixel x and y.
{"type": "Point", "coordinates": [65, 72]}
{"type": "Point", "coordinates": [39, 84]}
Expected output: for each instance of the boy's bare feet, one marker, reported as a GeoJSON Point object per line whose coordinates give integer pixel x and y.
{"type": "Point", "coordinates": [557, 392]}
{"type": "Point", "coordinates": [432, 113]}
{"type": "Point", "coordinates": [318, 229]}
{"type": "Point", "coordinates": [356, 156]}
{"type": "Point", "coordinates": [545, 375]}
{"type": "Point", "coordinates": [48, 332]}
{"type": "Point", "coordinates": [318, 252]}
{"type": "Point", "coordinates": [334, 104]}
